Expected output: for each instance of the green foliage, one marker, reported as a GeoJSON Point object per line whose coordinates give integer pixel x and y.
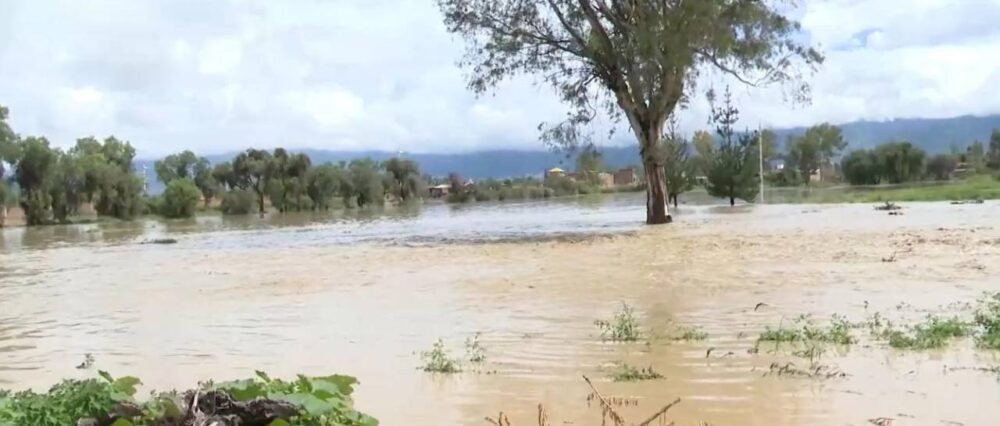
{"type": "Point", "coordinates": [818, 146]}
{"type": "Point", "coordinates": [474, 350]}
{"type": "Point", "coordinates": [363, 184]}
{"type": "Point", "coordinates": [628, 373]}
{"type": "Point", "coordinates": [437, 360]}
{"type": "Point", "coordinates": [323, 401]}
{"type": "Point", "coordinates": [589, 165]}
{"type": "Point", "coordinates": [941, 166]}
{"type": "Point", "coordinates": [987, 319]}
{"type": "Point", "coordinates": [180, 199]}
{"type": "Point", "coordinates": [892, 162]}
{"type": "Point", "coordinates": [678, 168]}
{"type": "Point", "coordinates": [67, 402]}
{"type": "Point", "coordinates": [993, 154]}
{"type": "Point", "coordinates": [732, 167]}
{"type": "Point", "coordinates": [803, 330]}
{"type": "Point", "coordinates": [237, 202]}
{"type": "Point", "coordinates": [322, 184]}
{"type": "Point", "coordinates": [624, 327]}
{"type": "Point", "coordinates": [689, 333]}
{"type": "Point", "coordinates": [404, 178]}
{"type": "Point", "coordinates": [633, 60]}
{"type": "Point", "coordinates": [252, 171]}
{"type": "Point", "coordinates": [935, 332]}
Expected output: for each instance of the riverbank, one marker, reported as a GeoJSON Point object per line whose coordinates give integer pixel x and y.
{"type": "Point", "coordinates": [371, 309]}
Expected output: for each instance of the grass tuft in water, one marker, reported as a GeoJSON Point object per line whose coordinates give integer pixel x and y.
{"type": "Point", "coordinates": [437, 360]}
{"type": "Point", "coordinates": [624, 327]}
{"type": "Point", "coordinates": [689, 334]}
{"type": "Point", "coordinates": [803, 330]}
{"type": "Point", "coordinates": [933, 333]}
{"type": "Point", "coordinates": [628, 373]}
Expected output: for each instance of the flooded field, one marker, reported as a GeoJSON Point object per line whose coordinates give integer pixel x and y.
{"type": "Point", "coordinates": [365, 295]}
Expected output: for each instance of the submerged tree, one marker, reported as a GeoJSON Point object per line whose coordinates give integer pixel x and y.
{"type": "Point", "coordinates": [633, 59]}
{"type": "Point", "coordinates": [732, 168]}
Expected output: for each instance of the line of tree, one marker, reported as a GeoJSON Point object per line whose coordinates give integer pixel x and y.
{"type": "Point", "coordinates": [54, 183]}
{"type": "Point", "coordinates": [287, 181]}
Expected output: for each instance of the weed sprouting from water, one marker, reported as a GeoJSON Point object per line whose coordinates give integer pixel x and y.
{"type": "Point", "coordinates": [689, 334]}
{"type": "Point", "coordinates": [803, 330]}
{"type": "Point", "coordinates": [624, 327]}
{"type": "Point", "coordinates": [934, 333]}
{"type": "Point", "coordinates": [474, 351]}
{"type": "Point", "coordinates": [628, 373]}
{"type": "Point", "coordinates": [437, 360]}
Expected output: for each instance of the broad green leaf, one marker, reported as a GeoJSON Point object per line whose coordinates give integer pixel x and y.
{"type": "Point", "coordinates": [263, 376]}
{"type": "Point", "coordinates": [309, 403]}
{"type": "Point", "coordinates": [242, 390]}
{"type": "Point", "coordinates": [344, 384]}
{"type": "Point", "coordinates": [106, 376]}
{"type": "Point", "coordinates": [122, 422]}
{"type": "Point", "coordinates": [279, 422]}
{"type": "Point", "coordinates": [126, 385]}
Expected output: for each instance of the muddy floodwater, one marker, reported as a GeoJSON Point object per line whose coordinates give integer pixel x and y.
{"type": "Point", "coordinates": [364, 294]}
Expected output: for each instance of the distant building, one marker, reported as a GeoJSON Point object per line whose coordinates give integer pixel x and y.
{"type": "Point", "coordinates": [554, 172]}
{"type": "Point", "coordinates": [439, 191]}
{"type": "Point", "coordinates": [607, 180]}
{"type": "Point", "coordinates": [624, 177]}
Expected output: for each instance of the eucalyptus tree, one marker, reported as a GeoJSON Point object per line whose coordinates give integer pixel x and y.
{"type": "Point", "coordinates": [635, 59]}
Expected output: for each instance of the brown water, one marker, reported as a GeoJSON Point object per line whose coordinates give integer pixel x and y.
{"type": "Point", "coordinates": [220, 304]}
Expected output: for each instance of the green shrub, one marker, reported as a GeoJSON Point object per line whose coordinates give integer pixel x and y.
{"type": "Point", "coordinates": [180, 199]}
{"type": "Point", "coordinates": [238, 203]}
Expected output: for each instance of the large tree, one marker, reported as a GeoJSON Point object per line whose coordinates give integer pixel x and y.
{"type": "Point", "coordinates": [818, 146]}
{"type": "Point", "coordinates": [635, 59]}
{"type": "Point", "coordinates": [252, 171]}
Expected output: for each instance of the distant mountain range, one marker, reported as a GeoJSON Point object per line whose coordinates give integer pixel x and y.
{"type": "Point", "coordinates": [933, 135]}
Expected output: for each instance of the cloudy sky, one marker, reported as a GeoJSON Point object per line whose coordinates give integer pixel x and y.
{"type": "Point", "coordinates": [221, 75]}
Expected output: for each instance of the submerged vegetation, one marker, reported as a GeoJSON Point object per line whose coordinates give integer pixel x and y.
{"type": "Point", "coordinates": [624, 327]}
{"type": "Point", "coordinates": [437, 360]}
{"type": "Point", "coordinates": [933, 333]}
{"type": "Point", "coordinates": [305, 401]}
{"type": "Point", "coordinates": [628, 373]}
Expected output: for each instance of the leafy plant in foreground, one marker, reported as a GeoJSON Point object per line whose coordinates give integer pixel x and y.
{"type": "Point", "coordinates": [315, 401]}
{"type": "Point", "coordinates": [624, 327]}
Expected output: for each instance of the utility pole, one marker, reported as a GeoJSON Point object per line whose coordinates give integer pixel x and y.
{"type": "Point", "coordinates": [760, 143]}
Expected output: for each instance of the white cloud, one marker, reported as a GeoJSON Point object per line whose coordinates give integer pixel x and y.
{"type": "Point", "coordinates": [219, 75]}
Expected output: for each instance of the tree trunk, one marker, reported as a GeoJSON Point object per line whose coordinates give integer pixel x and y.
{"type": "Point", "coordinates": [732, 201]}
{"type": "Point", "coordinates": [260, 204]}
{"type": "Point", "coordinates": [674, 197]}
{"type": "Point", "coordinates": [656, 194]}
